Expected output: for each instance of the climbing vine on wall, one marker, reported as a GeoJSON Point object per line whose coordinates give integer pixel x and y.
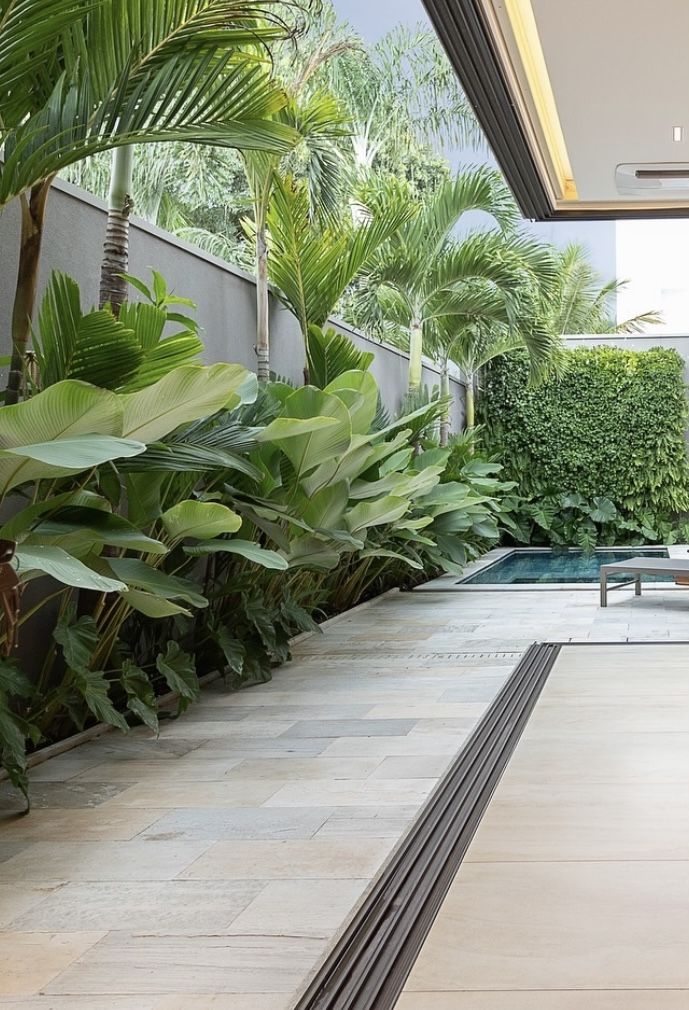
{"type": "Point", "coordinates": [613, 425]}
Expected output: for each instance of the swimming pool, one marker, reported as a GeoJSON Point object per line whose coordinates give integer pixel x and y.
{"type": "Point", "coordinates": [543, 567]}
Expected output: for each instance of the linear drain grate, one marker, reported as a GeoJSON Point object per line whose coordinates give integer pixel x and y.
{"type": "Point", "coordinates": [341, 657]}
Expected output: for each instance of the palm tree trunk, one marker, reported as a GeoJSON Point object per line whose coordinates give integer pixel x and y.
{"type": "Point", "coordinates": [470, 411]}
{"type": "Point", "coordinates": [33, 217]}
{"type": "Point", "coordinates": [113, 286]}
{"type": "Point", "coordinates": [415, 353]}
{"type": "Point", "coordinates": [262, 306]}
{"type": "Point", "coordinates": [445, 393]}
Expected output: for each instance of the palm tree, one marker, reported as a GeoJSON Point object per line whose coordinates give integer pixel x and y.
{"type": "Point", "coordinates": [313, 264]}
{"type": "Point", "coordinates": [580, 302]}
{"type": "Point", "coordinates": [318, 120]}
{"type": "Point", "coordinates": [76, 79]}
{"type": "Point", "coordinates": [424, 273]}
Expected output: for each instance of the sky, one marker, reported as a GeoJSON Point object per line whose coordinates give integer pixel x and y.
{"type": "Point", "coordinates": [372, 18]}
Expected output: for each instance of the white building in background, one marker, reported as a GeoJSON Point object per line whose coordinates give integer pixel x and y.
{"type": "Point", "coordinates": [654, 257]}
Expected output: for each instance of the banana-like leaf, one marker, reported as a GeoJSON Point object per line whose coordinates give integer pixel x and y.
{"type": "Point", "coordinates": [63, 567]}
{"type": "Point", "coordinates": [359, 392]}
{"type": "Point", "coordinates": [244, 548]}
{"type": "Point", "coordinates": [325, 509]}
{"type": "Point", "coordinates": [307, 445]}
{"type": "Point", "coordinates": [99, 525]}
{"type": "Point", "coordinates": [202, 520]}
{"type": "Point", "coordinates": [376, 513]}
{"type": "Point", "coordinates": [152, 606]}
{"type": "Point", "coordinates": [57, 416]}
{"type": "Point", "coordinates": [378, 552]}
{"type": "Point", "coordinates": [138, 575]}
{"type": "Point", "coordinates": [183, 395]}
{"type": "Point", "coordinates": [20, 524]}
{"type": "Point", "coordinates": [312, 552]}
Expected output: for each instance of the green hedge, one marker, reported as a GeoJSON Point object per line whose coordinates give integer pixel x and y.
{"type": "Point", "coordinates": [613, 425]}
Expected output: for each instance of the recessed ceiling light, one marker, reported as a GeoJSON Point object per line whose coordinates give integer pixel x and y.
{"type": "Point", "coordinates": [677, 134]}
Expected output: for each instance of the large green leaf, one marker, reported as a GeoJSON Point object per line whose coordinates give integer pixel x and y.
{"type": "Point", "coordinates": [307, 444]}
{"type": "Point", "coordinates": [103, 526]}
{"type": "Point", "coordinates": [184, 395]}
{"type": "Point", "coordinates": [203, 520]}
{"type": "Point", "coordinates": [358, 390]}
{"type": "Point", "coordinates": [329, 354]}
{"type": "Point", "coordinates": [62, 566]}
{"type": "Point", "coordinates": [58, 415]}
{"type": "Point", "coordinates": [152, 606]}
{"type": "Point", "coordinates": [137, 574]}
{"type": "Point", "coordinates": [244, 548]}
{"type": "Point", "coordinates": [179, 671]}
{"type": "Point", "coordinates": [376, 513]}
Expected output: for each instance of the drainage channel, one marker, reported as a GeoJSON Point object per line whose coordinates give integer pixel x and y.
{"type": "Point", "coordinates": [369, 965]}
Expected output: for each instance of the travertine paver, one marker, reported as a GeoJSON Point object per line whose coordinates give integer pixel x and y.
{"type": "Point", "coordinates": [211, 870]}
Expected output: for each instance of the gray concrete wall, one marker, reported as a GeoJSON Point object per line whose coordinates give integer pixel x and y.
{"type": "Point", "coordinates": [224, 294]}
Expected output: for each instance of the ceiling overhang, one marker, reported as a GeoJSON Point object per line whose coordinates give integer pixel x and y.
{"type": "Point", "coordinates": [582, 129]}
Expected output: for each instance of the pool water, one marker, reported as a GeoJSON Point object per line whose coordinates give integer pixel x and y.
{"type": "Point", "coordinates": [530, 567]}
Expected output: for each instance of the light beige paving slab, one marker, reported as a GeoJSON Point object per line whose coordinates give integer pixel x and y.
{"type": "Point", "coordinates": [300, 907]}
{"type": "Point", "coordinates": [185, 770]}
{"type": "Point", "coordinates": [602, 925]}
{"type": "Point", "coordinates": [200, 965]}
{"type": "Point", "coordinates": [537, 822]}
{"type": "Point", "coordinates": [171, 795]}
{"type": "Point", "coordinates": [158, 906]}
{"type": "Point", "coordinates": [137, 859]}
{"type": "Point", "coordinates": [30, 960]}
{"type": "Point", "coordinates": [290, 769]}
{"type": "Point", "coordinates": [589, 999]}
{"type": "Point", "coordinates": [245, 1001]}
{"type": "Point", "coordinates": [414, 767]}
{"type": "Point", "coordinates": [286, 860]}
{"type": "Point", "coordinates": [352, 793]}
{"type": "Point", "coordinates": [17, 898]}
{"type": "Point", "coordinates": [103, 823]}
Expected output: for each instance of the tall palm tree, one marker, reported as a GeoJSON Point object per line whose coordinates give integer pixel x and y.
{"type": "Point", "coordinates": [78, 78]}
{"type": "Point", "coordinates": [425, 273]}
{"type": "Point", "coordinates": [579, 301]}
{"type": "Point", "coordinates": [318, 120]}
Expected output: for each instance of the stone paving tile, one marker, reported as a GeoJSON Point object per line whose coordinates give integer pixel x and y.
{"type": "Point", "coordinates": [381, 699]}
{"type": "Point", "coordinates": [314, 858]}
{"type": "Point", "coordinates": [215, 825]}
{"type": "Point", "coordinates": [334, 728]}
{"type": "Point", "coordinates": [138, 859]}
{"type": "Point", "coordinates": [31, 960]}
{"type": "Point", "coordinates": [300, 907]}
{"type": "Point", "coordinates": [60, 795]}
{"type": "Point", "coordinates": [149, 906]}
{"type": "Point", "coordinates": [122, 963]}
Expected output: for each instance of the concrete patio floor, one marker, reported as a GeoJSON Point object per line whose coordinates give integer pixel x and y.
{"type": "Point", "coordinates": [213, 869]}
{"type": "Point", "coordinates": [575, 889]}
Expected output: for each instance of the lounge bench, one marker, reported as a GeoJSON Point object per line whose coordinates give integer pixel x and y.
{"type": "Point", "coordinates": [637, 567]}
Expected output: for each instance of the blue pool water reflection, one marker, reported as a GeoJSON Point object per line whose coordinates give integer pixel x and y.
{"type": "Point", "coordinates": [530, 567]}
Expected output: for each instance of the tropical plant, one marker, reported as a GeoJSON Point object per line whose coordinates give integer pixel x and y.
{"type": "Point", "coordinates": [579, 301]}
{"type": "Point", "coordinates": [312, 265]}
{"type": "Point", "coordinates": [423, 275]}
{"type": "Point", "coordinates": [77, 80]}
